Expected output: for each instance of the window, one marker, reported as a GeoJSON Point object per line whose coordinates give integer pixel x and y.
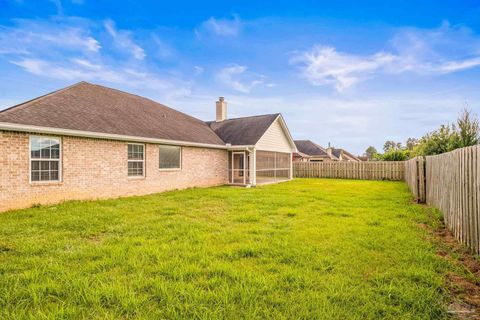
{"type": "Point", "coordinates": [136, 160]}
{"type": "Point", "coordinates": [44, 159]}
{"type": "Point", "coordinates": [170, 157]}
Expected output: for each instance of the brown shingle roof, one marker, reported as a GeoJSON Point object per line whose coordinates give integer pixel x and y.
{"type": "Point", "coordinates": [94, 108]}
{"type": "Point", "coordinates": [243, 131]}
{"type": "Point", "coordinates": [311, 148]}
{"type": "Point", "coordinates": [338, 152]}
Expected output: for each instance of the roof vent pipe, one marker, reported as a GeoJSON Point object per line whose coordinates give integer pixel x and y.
{"type": "Point", "coordinates": [329, 150]}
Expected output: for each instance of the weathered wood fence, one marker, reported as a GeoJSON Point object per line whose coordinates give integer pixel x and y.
{"type": "Point", "coordinates": [453, 186]}
{"type": "Point", "coordinates": [415, 177]}
{"type": "Point", "coordinates": [375, 170]}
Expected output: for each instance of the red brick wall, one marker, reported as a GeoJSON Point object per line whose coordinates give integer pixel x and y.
{"type": "Point", "coordinates": [95, 168]}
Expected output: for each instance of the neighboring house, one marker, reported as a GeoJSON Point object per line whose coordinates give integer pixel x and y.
{"type": "Point", "coordinates": [343, 155]}
{"type": "Point", "coordinates": [300, 157]}
{"type": "Point", "coordinates": [309, 151]}
{"type": "Point", "coordinates": [313, 152]}
{"type": "Point", "coordinates": [88, 141]}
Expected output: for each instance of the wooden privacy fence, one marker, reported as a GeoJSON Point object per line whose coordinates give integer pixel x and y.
{"type": "Point", "coordinates": [453, 186]}
{"type": "Point", "coordinates": [375, 170]}
{"type": "Point", "coordinates": [415, 177]}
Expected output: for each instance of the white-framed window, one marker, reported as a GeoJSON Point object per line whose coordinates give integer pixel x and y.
{"type": "Point", "coordinates": [136, 160]}
{"type": "Point", "coordinates": [45, 159]}
{"type": "Point", "coordinates": [170, 157]}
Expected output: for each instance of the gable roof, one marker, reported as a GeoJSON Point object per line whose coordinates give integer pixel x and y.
{"type": "Point", "coordinates": [338, 152]}
{"type": "Point", "coordinates": [351, 155]}
{"type": "Point", "coordinates": [243, 131]}
{"type": "Point", "coordinates": [95, 108]}
{"type": "Point", "coordinates": [300, 154]}
{"type": "Point", "coordinates": [311, 148]}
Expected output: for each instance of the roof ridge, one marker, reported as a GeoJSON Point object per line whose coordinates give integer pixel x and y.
{"type": "Point", "coordinates": [145, 98]}
{"type": "Point", "coordinates": [156, 102]}
{"type": "Point", "coordinates": [304, 140]}
{"type": "Point", "coordinates": [255, 116]}
{"type": "Point", "coordinates": [44, 96]}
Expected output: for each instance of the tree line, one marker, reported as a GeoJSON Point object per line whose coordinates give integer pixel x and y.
{"type": "Point", "coordinates": [463, 133]}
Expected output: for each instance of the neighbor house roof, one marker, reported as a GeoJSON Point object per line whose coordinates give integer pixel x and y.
{"type": "Point", "coordinates": [311, 148]}
{"type": "Point", "coordinates": [301, 155]}
{"type": "Point", "coordinates": [243, 131]}
{"type": "Point", "coordinates": [94, 108]}
{"type": "Point", "coordinates": [338, 152]}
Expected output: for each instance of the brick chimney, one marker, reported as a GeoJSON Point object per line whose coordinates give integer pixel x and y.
{"type": "Point", "coordinates": [221, 109]}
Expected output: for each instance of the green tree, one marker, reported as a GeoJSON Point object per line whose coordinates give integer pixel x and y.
{"type": "Point", "coordinates": [436, 142]}
{"type": "Point", "coordinates": [391, 145]}
{"type": "Point", "coordinates": [371, 152]}
{"type": "Point", "coordinates": [396, 155]}
{"type": "Point", "coordinates": [464, 133]}
{"type": "Point", "coordinates": [411, 143]}
{"type": "Point", "coordinates": [467, 130]}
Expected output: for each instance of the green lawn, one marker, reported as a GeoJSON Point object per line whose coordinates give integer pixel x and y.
{"type": "Point", "coordinates": [306, 249]}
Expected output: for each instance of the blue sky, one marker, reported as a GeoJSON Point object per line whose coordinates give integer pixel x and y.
{"type": "Point", "coordinates": [353, 73]}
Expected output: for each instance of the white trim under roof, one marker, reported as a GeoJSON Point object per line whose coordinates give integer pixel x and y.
{"type": "Point", "coordinates": [240, 147]}
{"type": "Point", "coordinates": [109, 136]}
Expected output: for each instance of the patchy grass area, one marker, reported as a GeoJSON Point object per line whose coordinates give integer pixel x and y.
{"type": "Point", "coordinates": [324, 249]}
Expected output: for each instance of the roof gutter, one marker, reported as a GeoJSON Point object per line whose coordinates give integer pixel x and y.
{"type": "Point", "coordinates": [108, 136]}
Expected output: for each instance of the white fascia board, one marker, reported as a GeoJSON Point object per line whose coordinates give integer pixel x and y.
{"type": "Point", "coordinates": [240, 147]}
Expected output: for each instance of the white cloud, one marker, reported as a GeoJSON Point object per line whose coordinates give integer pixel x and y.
{"type": "Point", "coordinates": [326, 66]}
{"type": "Point", "coordinates": [43, 36]}
{"type": "Point", "coordinates": [78, 69]}
{"type": "Point", "coordinates": [123, 40]}
{"type": "Point", "coordinates": [223, 27]}
{"type": "Point", "coordinates": [198, 70]}
{"type": "Point", "coordinates": [163, 49]}
{"type": "Point", "coordinates": [424, 52]}
{"type": "Point", "coordinates": [236, 77]}
{"type": "Point", "coordinates": [63, 48]}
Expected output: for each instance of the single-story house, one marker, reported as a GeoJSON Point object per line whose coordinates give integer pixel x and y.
{"type": "Point", "coordinates": [313, 151]}
{"type": "Point", "coordinates": [89, 141]}
{"type": "Point", "coordinates": [343, 155]}
{"type": "Point", "coordinates": [309, 151]}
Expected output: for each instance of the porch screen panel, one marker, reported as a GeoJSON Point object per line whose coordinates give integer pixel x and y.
{"type": "Point", "coordinates": [229, 168]}
{"type": "Point", "coordinates": [272, 166]}
{"type": "Point", "coordinates": [283, 166]}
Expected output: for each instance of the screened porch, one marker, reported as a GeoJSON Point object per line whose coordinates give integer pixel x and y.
{"type": "Point", "coordinates": [253, 167]}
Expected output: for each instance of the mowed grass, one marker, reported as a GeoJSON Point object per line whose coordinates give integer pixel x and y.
{"type": "Point", "coordinates": [306, 249]}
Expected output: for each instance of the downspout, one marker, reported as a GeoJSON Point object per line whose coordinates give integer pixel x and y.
{"type": "Point", "coordinates": [252, 167]}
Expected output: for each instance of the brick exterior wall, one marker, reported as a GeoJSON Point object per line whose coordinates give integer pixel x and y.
{"type": "Point", "coordinates": [95, 168]}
